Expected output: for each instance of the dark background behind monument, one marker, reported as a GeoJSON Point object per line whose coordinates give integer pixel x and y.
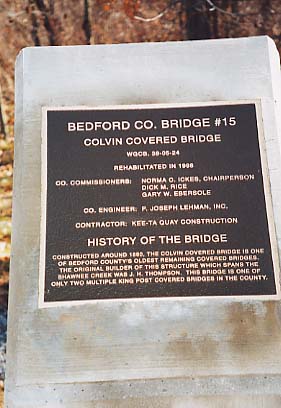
{"type": "Point", "coordinates": [66, 22]}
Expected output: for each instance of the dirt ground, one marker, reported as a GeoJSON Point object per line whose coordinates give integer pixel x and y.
{"type": "Point", "coordinates": [66, 22]}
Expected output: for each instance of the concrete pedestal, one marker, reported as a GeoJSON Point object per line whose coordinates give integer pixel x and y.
{"type": "Point", "coordinates": [145, 353]}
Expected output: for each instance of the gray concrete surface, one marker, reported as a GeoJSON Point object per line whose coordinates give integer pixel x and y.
{"type": "Point", "coordinates": [148, 353]}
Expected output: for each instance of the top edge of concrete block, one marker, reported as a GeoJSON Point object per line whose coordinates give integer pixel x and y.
{"type": "Point", "coordinates": [259, 40]}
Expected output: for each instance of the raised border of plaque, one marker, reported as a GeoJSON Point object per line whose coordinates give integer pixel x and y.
{"type": "Point", "coordinates": [122, 108]}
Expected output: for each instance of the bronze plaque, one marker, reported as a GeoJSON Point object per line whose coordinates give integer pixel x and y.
{"type": "Point", "coordinates": [155, 201]}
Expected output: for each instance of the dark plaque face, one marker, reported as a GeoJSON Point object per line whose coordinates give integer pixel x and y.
{"type": "Point", "coordinates": [155, 201]}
